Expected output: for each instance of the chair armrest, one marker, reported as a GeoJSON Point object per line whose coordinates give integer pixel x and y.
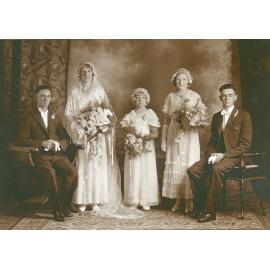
{"type": "Point", "coordinates": [251, 160]}
{"type": "Point", "coordinates": [22, 153]}
{"type": "Point", "coordinates": [253, 154]}
{"type": "Point", "coordinates": [27, 149]}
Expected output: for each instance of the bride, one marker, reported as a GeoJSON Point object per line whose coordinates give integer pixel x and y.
{"type": "Point", "coordinates": [99, 179]}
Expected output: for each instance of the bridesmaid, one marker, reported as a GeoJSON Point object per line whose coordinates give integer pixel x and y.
{"type": "Point", "coordinates": [181, 151]}
{"type": "Point", "coordinates": [140, 173]}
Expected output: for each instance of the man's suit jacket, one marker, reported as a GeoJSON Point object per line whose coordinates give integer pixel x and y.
{"type": "Point", "coordinates": [237, 134]}
{"type": "Point", "coordinates": [32, 130]}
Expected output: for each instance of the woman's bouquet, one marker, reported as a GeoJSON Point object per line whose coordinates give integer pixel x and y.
{"type": "Point", "coordinates": [94, 121]}
{"type": "Point", "coordinates": [90, 124]}
{"type": "Point", "coordinates": [137, 138]}
{"type": "Point", "coordinates": [135, 145]}
{"type": "Point", "coordinates": [190, 117]}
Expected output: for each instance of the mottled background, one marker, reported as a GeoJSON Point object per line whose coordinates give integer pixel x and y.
{"type": "Point", "coordinates": [123, 65]}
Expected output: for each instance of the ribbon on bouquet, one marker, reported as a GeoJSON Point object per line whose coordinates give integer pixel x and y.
{"type": "Point", "coordinates": [89, 153]}
{"type": "Point", "coordinates": [111, 145]}
{"type": "Point", "coordinates": [93, 148]}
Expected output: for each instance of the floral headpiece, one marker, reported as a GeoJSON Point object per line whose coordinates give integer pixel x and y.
{"type": "Point", "coordinates": [140, 91]}
{"type": "Point", "coordinates": [182, 71]}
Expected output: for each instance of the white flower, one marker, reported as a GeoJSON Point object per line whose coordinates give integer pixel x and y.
{"type": "Point", "coordinates": [94, 121]}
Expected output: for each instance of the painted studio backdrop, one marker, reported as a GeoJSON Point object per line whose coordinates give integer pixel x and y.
{"type": "Point", "coordinates": [123, 65]}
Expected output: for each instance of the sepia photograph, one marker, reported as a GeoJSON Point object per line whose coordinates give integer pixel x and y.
{"type": "Point", "coordinates": [96, 136]}
{"type": "Point", "coordinates": [134, 134]}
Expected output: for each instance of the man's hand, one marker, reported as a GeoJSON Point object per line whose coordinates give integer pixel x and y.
{"type": "Point", "coordinates": [47, 145]}
{"type": "Point", "coordinates": [215, 158]}
{"type": "Point", "coordinates": [56, 145]}
{"type": "Point", "coordinates": [51, 144]}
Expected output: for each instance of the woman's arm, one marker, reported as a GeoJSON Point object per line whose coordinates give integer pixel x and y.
{"type": "Point", "coordinates": [153, 134]}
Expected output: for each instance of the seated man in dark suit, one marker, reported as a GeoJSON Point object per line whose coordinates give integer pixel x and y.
{"type": "Point", "coordinates": [231, 134]}
{"type": "Point", "coordinates": [43, 130]}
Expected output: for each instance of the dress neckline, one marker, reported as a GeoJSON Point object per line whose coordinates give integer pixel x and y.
{"type": "Point", "coordinates": [181, 95]}
{"type": "Point", "coordinates": [140, 114]}
{"type": "Point", "coordinates": [85, 93]}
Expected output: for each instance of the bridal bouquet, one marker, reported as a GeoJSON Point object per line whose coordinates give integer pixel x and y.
{"type": "Point", "coordinates": [191, 116]}
{"type": "Point", "coordinates": [135, 145]}
{"type": "Point", "coordinates": [90, 124]}
{"type": "Point", "coordinates": [94, 122]}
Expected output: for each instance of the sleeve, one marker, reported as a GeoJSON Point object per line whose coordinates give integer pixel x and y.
{"type": "Point", "coordinates": [69, 118]}
{"type": "Point", "coordinates": [125, 121]}
{"type": "Point", "coordinates": [152, 119]}
{"type": "Point", "coordinates": [199, 102]}
{"type": "Point", "coordinates": [104, 100]}
{"type": "Point", "coordinates": [69, 113]}
{"type": "Point", "coordinates": [62, 134]}
{"type": "Point", "coordinates": [166, 105]}
{"type": "Point", "coordinates": [24, 133]}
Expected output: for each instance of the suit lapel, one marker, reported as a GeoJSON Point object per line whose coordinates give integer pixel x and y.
{"type": "Point", "coordinates": [36, 114]}
{"type": "Point", "coordinates": [50, 122]}
{"type": "Point", "coordinates": [232, 117]}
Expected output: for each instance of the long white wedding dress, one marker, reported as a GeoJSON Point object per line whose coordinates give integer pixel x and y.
{"type": "Point", "coordinates": [99, 178]}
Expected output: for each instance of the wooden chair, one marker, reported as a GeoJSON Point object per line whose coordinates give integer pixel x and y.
{"type": "Point", "coordinates": [24, 154]}
{"type": "Point", "coordinates": [21, 153]}
{"type": "Point", "coordinates": [252, 168]}
{"type": "Point", "coordinates": [22, 167]}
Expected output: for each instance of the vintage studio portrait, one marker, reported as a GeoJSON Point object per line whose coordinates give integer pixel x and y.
{"type": "Point", "coordinates": [134, 134]}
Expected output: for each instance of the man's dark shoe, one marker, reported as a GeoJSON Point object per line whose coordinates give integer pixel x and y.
{"type": "Point", "coordinates": [68, 213]}
{"type": "Point", "coordinates": [207, 217]}
{"type": "Point", "coordinates": [58, 216]}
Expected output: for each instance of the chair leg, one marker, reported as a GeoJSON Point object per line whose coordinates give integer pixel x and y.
{"type": "Point", "coordinates": [262, 207]}
{"type": "Point", "coordinates": [261, 201]}
{"type": "Point", "coordinates": [241, 187]}
{"type": "Point", "coordinates": [224, 194]}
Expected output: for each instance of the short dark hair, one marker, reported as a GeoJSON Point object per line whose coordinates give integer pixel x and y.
{"type": "Point", "coordinates": [227, 86]}
{"type": "Point", "coordinates": [43, 87]}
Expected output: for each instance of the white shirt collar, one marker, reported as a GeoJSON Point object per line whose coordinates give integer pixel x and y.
{"type": "Point", "coordinates": [43, 112]}
{"type": "Point", "coordinates": [228, 111]}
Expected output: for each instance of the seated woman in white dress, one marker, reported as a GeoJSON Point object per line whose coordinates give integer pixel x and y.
{"type": "Point", "coordinates": [99, 179]}
{"type": "Point", "coordinates": [140, 173]}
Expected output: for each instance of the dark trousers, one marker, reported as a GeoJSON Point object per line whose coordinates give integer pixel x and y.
{"type": "Point", "coordinates": [206, 182]}
{"type": "Point", "coordinates": [60, 179]}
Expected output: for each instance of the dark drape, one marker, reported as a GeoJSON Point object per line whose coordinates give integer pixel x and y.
{"type": "Point", "coordinates": [10, 66]}
{"type": "Point", "coordinates": [255, 81]}
{"type": "Point", "coordinates": [25, 64]}
{"type": "Point", "coordinates": [1, 98]}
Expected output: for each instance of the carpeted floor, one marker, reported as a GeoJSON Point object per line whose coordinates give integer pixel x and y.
{"type": "Point", "coordinates": [18, 218]}
{"type": "Point", "coordinates": [155, 219]}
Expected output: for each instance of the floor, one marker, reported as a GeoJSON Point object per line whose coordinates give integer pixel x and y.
{"type": "Point", "coordinates": [34, 214]}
